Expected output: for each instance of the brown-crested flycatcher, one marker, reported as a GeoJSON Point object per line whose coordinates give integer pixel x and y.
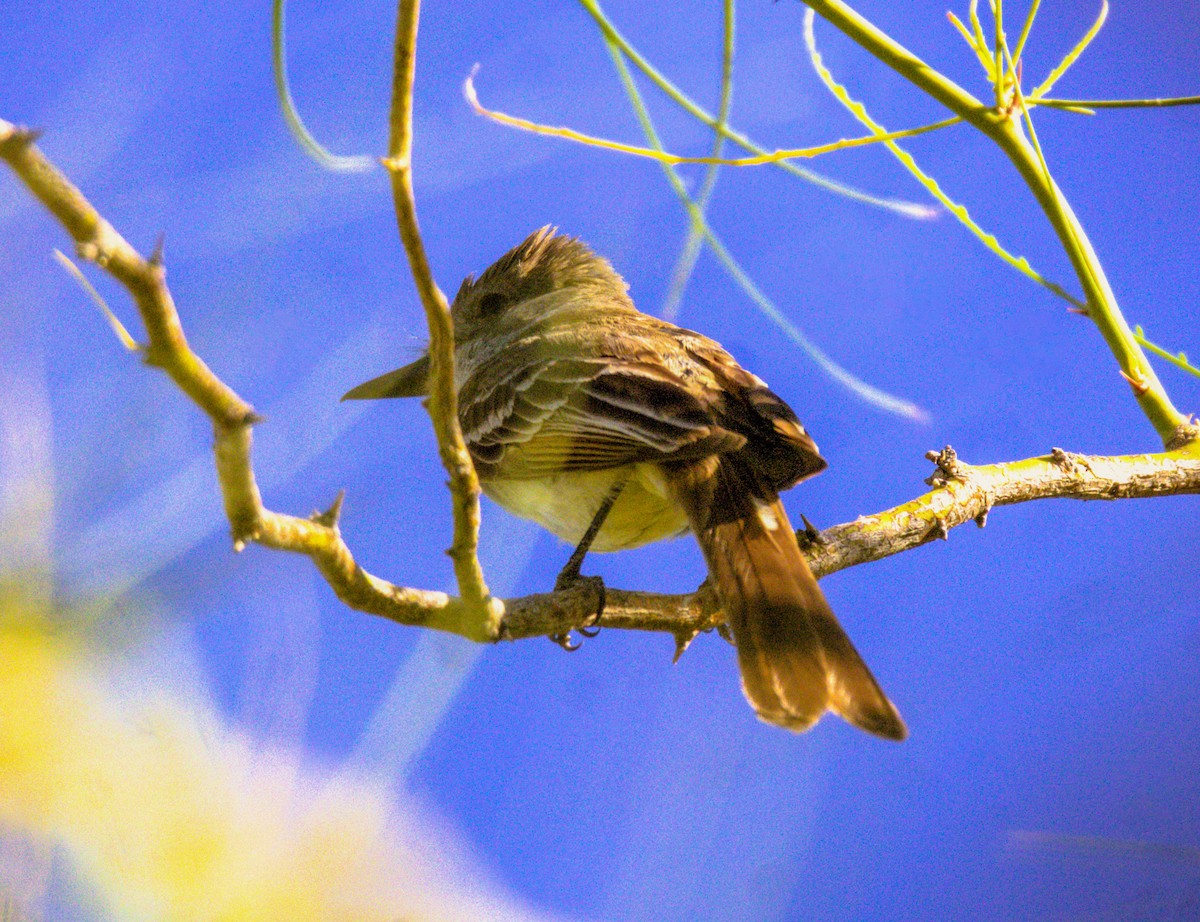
{"type": "Point", "coordinates": [574, 405]}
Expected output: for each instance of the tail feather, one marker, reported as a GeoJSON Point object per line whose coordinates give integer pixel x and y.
{"type": "Point", "coordinates": [796, 661]}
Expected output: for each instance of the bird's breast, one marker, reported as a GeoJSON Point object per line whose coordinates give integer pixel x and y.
{"type": "Point", "coordinates": [565, 504]}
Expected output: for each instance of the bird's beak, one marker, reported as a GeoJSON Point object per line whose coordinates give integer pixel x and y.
{"type": "Point", "coordinates": [410, 381]}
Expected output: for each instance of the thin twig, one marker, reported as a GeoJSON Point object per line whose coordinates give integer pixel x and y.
{"type": "Point", "coordinates": [673, 92]}
{"type": "Point", "coordinates": [357, 163]}
{"type": "Point", "coordinates": [859, 111]}
{"type": "Point", "coordinates": [1117, 103]}
{"type": "Point", "coordinates": [443, 398]}
{"type": "Point", "coordinates": [114, 321]}
{"type": "Point", "coordinates": [665, 157]}
{"type": "Point", "coordinates": [1073, 55]}
{"type": "Point", "coordinates": [860, 388]}
{"type": "Point", "coordinates": [688, 256]}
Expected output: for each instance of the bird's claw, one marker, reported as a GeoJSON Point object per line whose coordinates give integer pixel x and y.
{"type": "Point", "coordinates": [564, 641]}
{"type": "Point", "coordinates": [568, 580]}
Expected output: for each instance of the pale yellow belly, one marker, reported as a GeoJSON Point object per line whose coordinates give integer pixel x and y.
{"type": "Point", "coordinates": [566, 503]}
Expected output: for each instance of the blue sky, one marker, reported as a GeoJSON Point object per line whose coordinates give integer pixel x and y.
{"type": "Point", "coordinates": [1046, 665]}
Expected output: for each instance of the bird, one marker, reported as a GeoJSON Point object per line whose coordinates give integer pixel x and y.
{"type": "Point", "coordinates": [583, 413]}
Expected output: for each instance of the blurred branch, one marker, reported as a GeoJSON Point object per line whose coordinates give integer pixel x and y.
{"type": "Point", "coordinates": [358, 163]}
{"type": "Point", "coordinates": [860, 388]}
{"type": "Point", "coordinates": [674, 93]}
{"type": "Point", "coordinates": [686, 263]}
{"type": "Point", "coordinates": [442, 403]}
{"type": "Point", "coordinates": [118, 328]}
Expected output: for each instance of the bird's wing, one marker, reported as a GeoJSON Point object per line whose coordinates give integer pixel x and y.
{"type": "Point", "coordinates": [784, 452]}
{"type": "Point", "coordinates": [547, 415]}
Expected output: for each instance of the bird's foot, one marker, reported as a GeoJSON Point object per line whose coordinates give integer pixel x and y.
{"type": "Point", "coordinates": [570, 579]}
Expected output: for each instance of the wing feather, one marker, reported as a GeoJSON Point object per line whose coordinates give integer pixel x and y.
{"type": "Point", "coordinates": [552, 415]}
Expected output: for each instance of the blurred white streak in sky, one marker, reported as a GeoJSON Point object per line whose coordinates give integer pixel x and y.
{"type": "Point", "coordinates": [710, 829]}
{"type": "Point", "coordinates": [426, 685]}
{"type": "Point", "coordinates": [115, 555]}
{"type": "Point", "coordinates": [128, 80]}
{"type": "Point", "coordinates": [119, 85]}
{"type": "Point", "coordinates": [123, 549]}
{"type": "Point", "coordinates": [26, 466]}
{"type": "Point", "coordinates": [282, 659]}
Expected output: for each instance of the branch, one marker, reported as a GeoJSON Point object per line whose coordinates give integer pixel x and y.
{"type": "Point", "coordinates": [665, 157]}
{"type": "Point", "coordinates": [960, 493]}
{"type": "Point", "coordinates": [718, 125]}
{"type": "Point", "coordinates": [443, 397]}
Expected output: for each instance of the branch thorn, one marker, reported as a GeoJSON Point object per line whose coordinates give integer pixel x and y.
{"type": "Point", "coordinates": [683, 640]}
{"type": "Point", "coordinates": [330, 517]}
{"type": "Point", "coordinates": [1138, 384]}
{"type": "Point", "coordinates": [156, 255]}
{"type": "Point", "coordinates": [811, 533]}
{"type": "Point", "coordinates": [982, 518]}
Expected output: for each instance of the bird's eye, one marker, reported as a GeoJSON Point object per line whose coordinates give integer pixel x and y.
{"type": "Point", "coordinates": [491, 303]}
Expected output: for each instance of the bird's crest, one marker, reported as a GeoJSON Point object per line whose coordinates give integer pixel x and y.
{"type": "Point", "coordinates": [544, 261]}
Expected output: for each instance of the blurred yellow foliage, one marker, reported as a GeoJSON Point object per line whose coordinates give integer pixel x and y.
{"type": "Point", "coordinates": [166, 812]}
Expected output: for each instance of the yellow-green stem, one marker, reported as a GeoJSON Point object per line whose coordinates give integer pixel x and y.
{"type": "Point", "coordinates": [1000, 127]}
{"type": "Point", "coordinates": [1102, 303]}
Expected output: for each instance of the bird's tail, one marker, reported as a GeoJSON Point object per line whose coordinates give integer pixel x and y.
{"type": "Point", "coordinates": [796, 661]}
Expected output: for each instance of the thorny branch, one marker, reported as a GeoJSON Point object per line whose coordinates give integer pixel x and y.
{"type": "Point", "coordinates": [483, 613]}
{"type": "Point", "coordinates": [960, 492]}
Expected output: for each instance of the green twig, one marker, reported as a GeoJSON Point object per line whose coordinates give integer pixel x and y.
{"type": "Point", "coordinates": [686, 263]}
{"type": "Point", "coordinates": [664, 157]}
{"type": "Point", "coordinates": [858, 110]}
{"type": "Point", "coordinates": [908, 209]}
{"type": "Point", "coordinates": [1178, 359]}
{"type": "Point", "coordinates": [972, 41]}
{"type": "Point", "coordinates": [1117, 103]}
{"type": "Point", "coordinates": [1001, 129]}
{"type": "Point", "coordinates": [1072, 55]}
{"type": "Point", "coordinates": [1029, 18]}
{"type": "Point", "coordinates": [998, 47]}
{"type": "Point", "coordinates": [997, 125]}
{"type": "Point", "coordinates": [989, 64]}
{"type": "Point", "coordinates": [113, 321]}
